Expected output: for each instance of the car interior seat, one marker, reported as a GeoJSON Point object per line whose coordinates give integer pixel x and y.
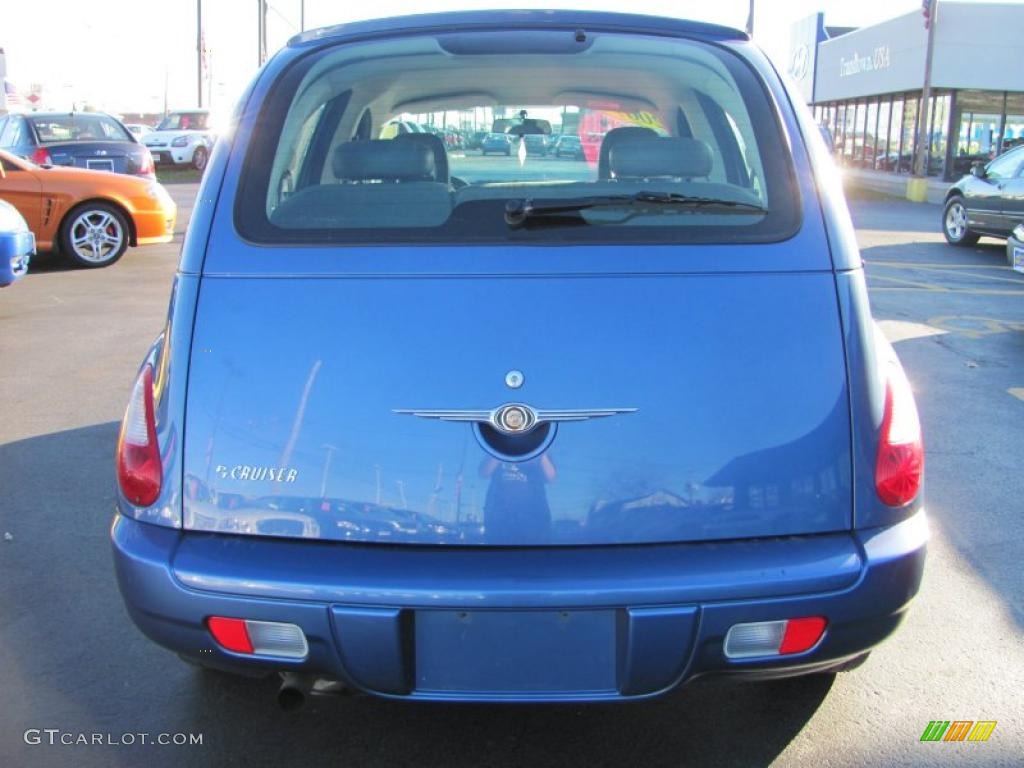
{"type": "Point", "coordinates": [660, 157]}
{"type": "Point", "coordinates": [613, 137]}
{"type": "Point", "coordinates": [380, 183]}
{"type": "Point", "coordinates": [436, 146]}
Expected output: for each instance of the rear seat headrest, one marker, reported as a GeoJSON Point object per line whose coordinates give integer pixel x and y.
{"type": "Point", "coordinates": [382, 160]}
{"type": "Point", "coordinates": [660, 157]}
{"type": "Point", "coordinates": [614, 137]}
{"type": "Point", "coordinates": [435, 145]}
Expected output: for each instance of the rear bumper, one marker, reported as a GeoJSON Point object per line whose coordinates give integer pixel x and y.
{"type": "Point", "coordinates": [16, 249]}
{"type": "Point", "coordinates": [435, 623]}
{"type": "Point", "coordinates": [1015, 253]}
{"type": "Point", "coordinates": [172, 155]}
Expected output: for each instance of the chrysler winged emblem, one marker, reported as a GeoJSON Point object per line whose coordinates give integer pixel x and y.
{"type": "Point", "coordinates": [514, 418]}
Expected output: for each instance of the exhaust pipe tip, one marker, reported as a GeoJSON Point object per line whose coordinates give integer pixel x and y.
{"type": "Point", "coordinates": [290, 698]}
{"type": "Point", "coordinates": [295, 687]}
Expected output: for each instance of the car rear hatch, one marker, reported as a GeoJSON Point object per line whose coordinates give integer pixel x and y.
{"type": "Point", "coordinates": [117, 157]}
{"type": "Point", "coordinates": [685, 377]}
{"type": "Point", "coordinates": [733, 389]}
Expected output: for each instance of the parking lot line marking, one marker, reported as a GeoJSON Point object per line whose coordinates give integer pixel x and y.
{"type": "Point", "coordinates": [1017, 392]}
{"type": "Point", "coordinates": [975, 326]}
{"type": "Point", "coordinates": [916, 283]}
{"type": "Point", "coordinates": [961, 291]}
{"type": "Point", "coordinates": [1016, 280]}
{"type": "Point", "coordinates": [904, 264]}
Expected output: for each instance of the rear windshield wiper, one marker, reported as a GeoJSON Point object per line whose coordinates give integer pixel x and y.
{"type": "Point", "coordinates": [518, 212]}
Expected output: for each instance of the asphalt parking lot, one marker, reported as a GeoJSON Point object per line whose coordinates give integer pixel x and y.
{"type": "Point", "coordinates": [70, 659]}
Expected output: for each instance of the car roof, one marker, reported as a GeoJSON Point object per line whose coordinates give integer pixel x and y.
{"type": "Point", "coordinates": [67, 114]}
{"type": "Point", "coordinates": [467, 21]}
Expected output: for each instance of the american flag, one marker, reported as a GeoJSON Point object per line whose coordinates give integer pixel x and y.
{"type": "Point", "coordinates": [927, 10]}
{"type": "Point", "coordinates": [13, 97]}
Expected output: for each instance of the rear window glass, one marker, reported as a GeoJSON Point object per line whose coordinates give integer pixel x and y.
{"type": "Point", "coordinates": [441, 140]}
{"type": "Point", "coordinates": [184, 121]}
{"type": "Point", "coordinates": [79, 127]}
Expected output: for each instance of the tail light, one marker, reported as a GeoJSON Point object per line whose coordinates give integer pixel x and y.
{"type": "Point", "coordinates": [266, 638]}
{"type": "Point", "coordinates": [774, 638]}
{"type": "Point", "coordinates": [146, 167]}
{"type": "Point", "coordinates": [41, 157]}
{"type": "Point", "coordinates": [900, 464]}
{"type": "Point", "coordinates": [139, 472]}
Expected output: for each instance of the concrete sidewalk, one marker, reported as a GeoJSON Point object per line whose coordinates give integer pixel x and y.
{"type": "Point", "coordinates": [891, 184]}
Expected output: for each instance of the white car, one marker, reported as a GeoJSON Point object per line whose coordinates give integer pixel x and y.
{"type": "Point", "coordinates": [183, 137]}
{"type": "Point", "coordinates": [139, 130]}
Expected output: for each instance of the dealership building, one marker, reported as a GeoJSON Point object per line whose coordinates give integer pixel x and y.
{"type": "Point", "coordinates": [864, 85]}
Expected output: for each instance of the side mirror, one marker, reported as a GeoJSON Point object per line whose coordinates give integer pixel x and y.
{"type": "Point", "coordinates": [978, 170]}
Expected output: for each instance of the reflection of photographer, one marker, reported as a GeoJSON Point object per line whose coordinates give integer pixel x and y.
{"type": "Point", "coordinates": [516, 507]}
{"type": "Point", "coordinates": [527, 126]}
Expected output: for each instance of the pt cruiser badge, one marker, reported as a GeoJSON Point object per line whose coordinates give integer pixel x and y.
{"type": "Point", "coordinates": [249, 472]}
{"type": "Point", "coordinates": [514, 418]}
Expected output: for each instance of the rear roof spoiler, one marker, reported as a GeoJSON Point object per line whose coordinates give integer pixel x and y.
{"type": "Point", "coordinates": [468, 21]}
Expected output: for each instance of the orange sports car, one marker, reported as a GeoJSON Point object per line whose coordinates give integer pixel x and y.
{"type": "Point", "coordinates": [89, 217]}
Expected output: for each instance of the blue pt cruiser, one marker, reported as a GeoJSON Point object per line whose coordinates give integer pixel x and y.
{"type": "Point", "coordinates": [438, 425]}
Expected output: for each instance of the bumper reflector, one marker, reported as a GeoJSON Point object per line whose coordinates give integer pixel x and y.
{"type": "Point", "coordinates": [802, 634]}
{"type": "Point", "coordinates": [230, 633]}
{"type": "Point", "coordinates": [264, 638]}
{"type": "Point", "coordinates": [773, 638]}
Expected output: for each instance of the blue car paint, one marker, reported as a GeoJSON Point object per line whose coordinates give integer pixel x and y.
{"type": "Point", "coordinates": [672, 604]}
{"type": "Point", "coordinates": [361, 620]}
{"type": "Point", "coordinates": [17, 245]}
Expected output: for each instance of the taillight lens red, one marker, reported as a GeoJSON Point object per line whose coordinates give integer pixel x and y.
{"type": "Point", "coordinates": [146, 167]}
{"type": "Point", "coordinates": [139, 472]}
{"type": "Point", "coordinates": [802, 634]}
{"type": "Point", "coordinates": [41, 157]}
{"type": "Point", "coordinates": [230, 633]}
{"type": "Point", "coordinates": [900, 464]}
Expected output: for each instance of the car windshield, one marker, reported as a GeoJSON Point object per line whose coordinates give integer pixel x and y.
{"type": "Point", "coordinates": [656, 123]}
{"type": "Point", "coordinates": [79, 127]}
{"type": "Point", "coordinates": [184, 121]}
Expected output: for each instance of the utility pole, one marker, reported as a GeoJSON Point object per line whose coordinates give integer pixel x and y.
{"type": "Point", "coordinates": [199, 53]}
{"type": "Point", "coordinates": [930, 9]}
{"type": "Point", "coordinates": [262, 34]}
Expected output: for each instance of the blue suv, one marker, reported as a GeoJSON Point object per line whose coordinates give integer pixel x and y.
{"type": "Point", "coordinates": [439, 426]}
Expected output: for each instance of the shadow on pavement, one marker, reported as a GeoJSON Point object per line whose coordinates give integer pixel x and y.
{"type": "Point", "coordinates": [895, 215]}
{"type": "Point", "coordinates": [50, 262]}
{"type": "Point", "coordinates": [961, 377]}
{"type": "Point", "coordinates": [73, 661]}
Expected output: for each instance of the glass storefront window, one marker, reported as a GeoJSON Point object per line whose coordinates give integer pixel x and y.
{"type": "Point", "coordinates": [895, 135]}
{"type": "Point", "coordinates": [1013, 134]}
{"type": "Point", "coordinates": [882, 146]}
{"type": "Point", "coordinates": [860, 133]}
{"type": "Point", "coordinates": [853, 132]}
{"type": "Point", "coordinates": [905, 162]}
{"type": "Point", "coordinates": [880, 132]}
{"type": "Point", "coordinates": [939, 120]}
{"type": "Point", "coordinates": [870, 136]}
{"type": "Point", "coordinates": [841, 128]}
